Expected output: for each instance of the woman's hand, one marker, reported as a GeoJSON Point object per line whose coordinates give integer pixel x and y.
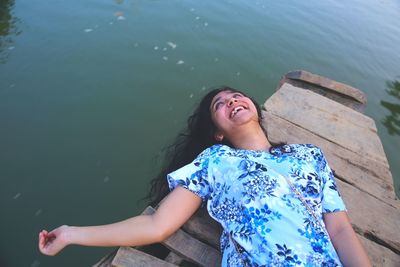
{"type": "Point", "coordinates": [52, 243]}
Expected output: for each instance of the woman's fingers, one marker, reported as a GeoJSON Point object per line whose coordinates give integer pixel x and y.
{"type": "Point", "coordinates": [42, 240]}
{"type": "Point", "coordinates": [45, 240]}
{"type": "Point", "coordinates": [50, 243]}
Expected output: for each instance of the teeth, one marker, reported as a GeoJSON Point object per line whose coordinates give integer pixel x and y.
{"type": "Point", "coordinates": [236, 110]}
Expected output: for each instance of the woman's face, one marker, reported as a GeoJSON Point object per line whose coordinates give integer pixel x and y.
{"type": "Point", "coordinates": [230, 110]}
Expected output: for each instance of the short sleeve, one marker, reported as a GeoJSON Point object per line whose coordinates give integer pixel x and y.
{"type": "Point", "coordinates": [331, 198]}
{"type": "Point", "coordinates": [194, 176]}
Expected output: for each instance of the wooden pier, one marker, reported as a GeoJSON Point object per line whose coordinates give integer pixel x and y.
{"type": "Point", "coordinates": [306, 108]}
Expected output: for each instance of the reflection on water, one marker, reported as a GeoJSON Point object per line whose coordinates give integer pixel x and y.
{"type": "Point", "coordinates": [392, 121]}
{"type": "Point", "coordinates": [8, 28]}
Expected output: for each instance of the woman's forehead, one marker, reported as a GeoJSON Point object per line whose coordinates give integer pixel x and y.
{"type": "Point", "coordinates": [222, 95]}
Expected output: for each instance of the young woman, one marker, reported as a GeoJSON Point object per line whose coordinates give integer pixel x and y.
{"type": "Point", "coordinates": [278, 205]}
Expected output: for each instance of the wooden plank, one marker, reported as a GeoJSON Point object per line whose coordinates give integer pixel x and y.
{"type": "Point", "coordinates": [324, 82]}
{"type": "Point", "coordinates": [106, 260]}
{"type": "Point", "coordinates": [148, 210]}
{"type": "Point", "coordinates": [327, 119]}
{"type": "Point", "coordinates": [200, 226]}
{"type": "Point", "coordinates": [371, 217]}
{"type": "Point", "coordinates": [380, 256]}
{"type": "Point", "coordinates": [291, 93]}
{"type": "Point", "coordinates": [368, 175]}
{"type": "Point", "coordinates": [190, 248]}
{"type": "Point", "coordinates": [331, 94]}
{"type": "Point", "coordinates": [130, 257]}
{"type": "Point", "coordinates": [193, 250]}
{"type": "Point", "coordinates": [174, 258]}
{"type": "Point", "coordinates": [203, 227]}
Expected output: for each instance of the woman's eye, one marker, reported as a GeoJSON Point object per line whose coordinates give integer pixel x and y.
{"type": "Point", "coordinates": [237, 95]}
{"type": "Point", "coordinates": [218, 105]}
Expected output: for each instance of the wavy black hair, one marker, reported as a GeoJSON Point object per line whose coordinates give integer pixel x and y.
{"type": "Point", "coordinates": [198, 135]}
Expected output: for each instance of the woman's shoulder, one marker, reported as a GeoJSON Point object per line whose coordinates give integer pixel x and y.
{"type": "Point", "coordinates": [214, 150]}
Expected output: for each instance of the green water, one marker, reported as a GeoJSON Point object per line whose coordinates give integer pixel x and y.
{"type": "Point", "coordinates": [90, 91]}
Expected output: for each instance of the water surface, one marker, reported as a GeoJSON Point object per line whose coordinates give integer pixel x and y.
{"type": "Point", "coordinates": [90, 91]}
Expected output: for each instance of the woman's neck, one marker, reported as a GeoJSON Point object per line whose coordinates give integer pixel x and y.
{"type": "Point", "coordinates": [250, 139]}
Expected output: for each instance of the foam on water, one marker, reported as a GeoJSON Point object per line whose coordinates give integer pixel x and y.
{"type": "Point", "coordinates": [172, 45]}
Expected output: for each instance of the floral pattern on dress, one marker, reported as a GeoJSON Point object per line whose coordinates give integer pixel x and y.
{"type": "Point", "coordinates": [247, 192]}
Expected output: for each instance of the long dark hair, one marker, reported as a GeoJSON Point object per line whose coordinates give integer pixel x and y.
{"type": "Point", "coordinates": [198, 135]}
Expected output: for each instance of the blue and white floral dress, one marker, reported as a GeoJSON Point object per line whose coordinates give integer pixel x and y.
{"type": "Point", "coordinates": [247, 193]}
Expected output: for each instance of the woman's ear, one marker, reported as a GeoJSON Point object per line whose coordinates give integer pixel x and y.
{"type": "Point", "coordinates": [219, 137]}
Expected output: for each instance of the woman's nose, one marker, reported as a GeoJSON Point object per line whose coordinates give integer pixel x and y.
{"type": "Point", "coordinates": [232, 101]}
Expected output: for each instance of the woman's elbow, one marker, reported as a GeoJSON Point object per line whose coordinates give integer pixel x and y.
{"type": "Point", "coordinates": [161, 232]}
{"type": "Point", "coordinates": [166, 231]}
{"type": "Point", "coordinates": [163, 235]}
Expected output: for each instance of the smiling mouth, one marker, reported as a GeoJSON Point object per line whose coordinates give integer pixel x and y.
{"type": "Point", "coordinates": [236, 110]}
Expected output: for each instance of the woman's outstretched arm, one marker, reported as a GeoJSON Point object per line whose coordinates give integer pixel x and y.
{"type": "Point", "coordinates": [344, 239]}
{"type": "Point", "coordinates": [172, 213]}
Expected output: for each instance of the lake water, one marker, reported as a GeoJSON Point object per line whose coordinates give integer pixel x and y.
{"type": "Point", "coordinates": [90, 91]}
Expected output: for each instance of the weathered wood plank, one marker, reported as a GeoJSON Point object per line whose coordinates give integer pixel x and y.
{"type": "Point", "coordinates": [130, 257]}
{"type": "Point", "coordinates": [174, 258]}
{"type": "Point", "coordinates": [148, 211]}
{"type": "Point", "coordinates": [366, 174]}
{"type": "Point", "coordinates": [380, 256]}
{"type": "Point", "coordinates": [203, 227]}
{"type": "Point", "coordinates": [193, 250]}
{"type": "Point", "coordinates": [329, 84]}
{"type": "Point", "coordinates": [106, 260]}
{"type": "Point", "coordinates": [190, 248]}
{"type": "Point", "coordinates": [371, 216]}
{"type": "Point", "coordinates": [323, 116]}
{"type": "Point", "coordinates": [291, 93]}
